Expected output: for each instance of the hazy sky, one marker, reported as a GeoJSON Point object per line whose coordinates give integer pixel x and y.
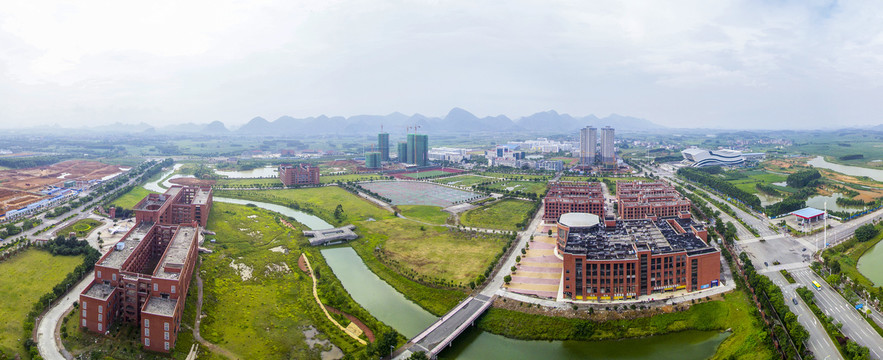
{"type": "Point", "coordinates": [731, 64]}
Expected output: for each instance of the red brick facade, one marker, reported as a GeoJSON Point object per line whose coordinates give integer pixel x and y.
{"type": "Point", "coordinates": [300, 174]}
{"type": "Point", "coordinates": [639, 200]}
{"type": "Point", "coordinates": [573, 197]}
{"type": "Point", "coordinates": [144, 279]}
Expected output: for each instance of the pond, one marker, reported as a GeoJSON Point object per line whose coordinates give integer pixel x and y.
{"type": "Point", "coordinates": [391, 307]}
{"type": "Point", "coordinates": [818, 202]}
{"type": "Point", "coordinates": [845, 169]}
{"type": "Point", "coordinates": [261, 172]}
{"type": "Point", "coordinates": [871, 264]}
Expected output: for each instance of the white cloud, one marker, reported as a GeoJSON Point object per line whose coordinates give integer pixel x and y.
{"type": "Point", "coordinates": [750, 63]}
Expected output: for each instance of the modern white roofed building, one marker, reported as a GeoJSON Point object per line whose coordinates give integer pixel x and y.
{"type": "Point", "coordinates": [700, 157]}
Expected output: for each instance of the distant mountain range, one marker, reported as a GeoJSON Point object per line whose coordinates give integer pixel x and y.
{"type": "Point", "coordinates": [456, 121]}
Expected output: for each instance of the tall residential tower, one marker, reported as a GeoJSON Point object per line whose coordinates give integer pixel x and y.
{"type": "Point", "coordinates": [608, 157]}
{"type": "Point", "coordinates": [418, 149]}
{"type": "Point", "coordinates": [383, 146]}
{"type": "Point", "coordinates": [588, 139]}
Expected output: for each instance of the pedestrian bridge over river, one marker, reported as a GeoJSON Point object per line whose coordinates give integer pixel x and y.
{"type": "Point", "coordinates": [441, 333]}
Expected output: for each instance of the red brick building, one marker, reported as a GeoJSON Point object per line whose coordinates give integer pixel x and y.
{"type": "Point", "coordinates": [567, 197]}
{"type": "Point", "coordinates": [144, 279]}
{"type": "Point", "coordinates": [300, 174]}
{"type": "Point", "coordinates": [642, 200]}
{"type": "Point", "coordinates": [622, 259]}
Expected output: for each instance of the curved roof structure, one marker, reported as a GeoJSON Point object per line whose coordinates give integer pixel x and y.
{"type": "Point", "coordinates": [573, 220]}
{"type": "Point", "coordinates": [701, 157]}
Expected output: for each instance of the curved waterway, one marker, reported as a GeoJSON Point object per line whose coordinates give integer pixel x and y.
{"type": "Point", "coordinates": [846, 169]}
{"type": "Point", "coordinates": [391, 307]}
{"type": "Point", "coordinates": [261, 172]}
{"type": "Point", "coordinates": [388, 305]}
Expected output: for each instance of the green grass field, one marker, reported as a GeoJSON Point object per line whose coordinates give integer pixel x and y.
{"type": "Point", "coordinates": [426, 174]}
{"type": "Point", "coordinates": [131, 198]}
{"type": "Point", "coordinates": [248, 182]}
{"type": "Point", "coordinates": [516, 176]}
{"type": "Point", "coordinates": [24, 278]}
{"type": "Point", "coordinates": [425, 213]}
{"type": "Point", "coordinates": [321, 201]}
{"type": "Point", "coordinates": [82, 227]}
{"type": "Point", "coordinates": [734, 312]}
{"type": "Point", "coordinates": [463, 180]}
{"type": "Point", "coordinates": [535, 187]}
{"type": "Point", "coordinates": [433, 255]}
{"type": "Point", "coordinates": [504, 215]}
{"type": "Point", "coordinates": [748, 180]}
{"type": "Point", "coordinates": [350, 177]}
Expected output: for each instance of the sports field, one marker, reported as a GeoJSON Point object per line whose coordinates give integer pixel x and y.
{"type": "Point", "coordinates": [419, 193]}
{"type": "Point", "coordinates": [463, 180]}
{"type": "Point", "coordinates": [425, 174]}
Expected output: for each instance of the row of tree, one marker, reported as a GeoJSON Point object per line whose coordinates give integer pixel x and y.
{"type": "Point", "coordinates": [720, 185]}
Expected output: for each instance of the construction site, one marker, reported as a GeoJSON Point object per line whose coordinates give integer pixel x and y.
{"type": "Point", "coordinates": [22, 187]}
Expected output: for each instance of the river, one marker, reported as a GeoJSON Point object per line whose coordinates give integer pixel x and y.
{"type": "Point", "coordinates": [871, 264]}
{"type": "Point", "coordinates": [388, 305]}
{"type": "Point", "coordinates": [846, 169]}
{"type": "Point", "coordinates": [391, 307]}
{"type": "Point", "coordinates": [261, 172]}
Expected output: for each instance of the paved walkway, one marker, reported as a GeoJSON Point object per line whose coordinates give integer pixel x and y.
{"type": "Point", "coordinates": [48, 342]}
{"type": "Point", "coordinates": [347, 330]}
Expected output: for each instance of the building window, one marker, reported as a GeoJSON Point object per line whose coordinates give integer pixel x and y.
{"type": "Point", "coordinates": [84, 313]}
{"type": "Point", "coordinates": [100, 327]}
{"type": "Point", "coordinates": [100, 317]}
{"type": "Point", "coordinates": [155, 287]}
{"type": "Point", "coordinates": [166, 326]}
{"type": "Point", "coordinates": [146, 332]}
{"type": "Point", "coordinates": [146, 322]}
{"type": "Point", "coordinates": [100, 309]}
{"type": "Point", "coordinates": [146, 341]}
{"type": "Point", "coordinates": [84, 322]}
{"type": "Point", "coordinates": [84, 305]}
{"type": "Point", "coordinates": [98, 274]}
{"type": "Point", "coordinates": [114, 276]}
{"type": "Point", "coordinates": [166, 335]}
{"type": "Point", "coordinates": [173, 289]}
{"type": "Point", "coordinates": [166, 346]}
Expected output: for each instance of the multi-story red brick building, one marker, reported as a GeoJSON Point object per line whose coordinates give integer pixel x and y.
{"type": "Point", "coordinates": [566, 197]}
{"type": "Point", "coordinates": [640, 200]}
{"type": "Point", "coordinates": [300, 174]}
{"type": "Point", "coordinates": [622, 259]}
{"type": "Point", "coordinates": [145, 277]}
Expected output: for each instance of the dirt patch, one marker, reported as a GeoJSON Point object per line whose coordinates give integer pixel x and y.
{"type": "Point", "coordinates": [193, 181]}
{"type": "Point", "coordinates": [245, 271]}
{"type": "Point", "coordinates": [38, 177]}
{"type": "Point", "coordinates": [368, 333]}
{"type": "Point", "coordinates": [302, 264]}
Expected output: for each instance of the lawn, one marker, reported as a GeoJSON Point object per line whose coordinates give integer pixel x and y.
{"type": "Point", "coordinates": [425, 213]}
{"type": "Point", "coordinates": [431, 254]}
{"type": "Point", "coordinates": [505, 215]}
{"type": "Point", "coordinates": [463, 180]}
{"type": "Point", "coordinates": [517, 176]}
{"type": "Point", "coordinates": [350, 177]}
{"type": "Point", "coordinates": [264, 316]}
{"type": "Point", "coordinates": [82, 227]}
{"type": "Point", "coordinates": [748, 180]}
{"type": "Point", "coordinates": [20, 291]}
{"type": "Point", "coordinates": [248, 182]}
{"type": "Point", "coordinates": [405, 254]}
{"type": "Point", "coordinates": [426, 174]}
{"type": "Point", "coordinates": [131, 198]}
{"type": "Point", "coordinates": [320, 201]}
{"type": "Point", "coordinates": [534, 187]}
{"type": "Point", "coordinates": [747, 341]}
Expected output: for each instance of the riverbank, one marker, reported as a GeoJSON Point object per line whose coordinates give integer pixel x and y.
{"type": "Point", "coordinates": [732, 311]}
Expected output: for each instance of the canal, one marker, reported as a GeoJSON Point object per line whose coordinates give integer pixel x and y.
{"type": "Point", "coordinates": [846, 169]}
{"type": "Point", "coordinates": [871, 264]}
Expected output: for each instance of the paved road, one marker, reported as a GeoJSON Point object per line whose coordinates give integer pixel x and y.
{"type": "Point", "coordinates": [819, 342]}
{"type": "Point", "coordinates": [46, 336]}
{"type": "Point", "coordinates": [835, 306]}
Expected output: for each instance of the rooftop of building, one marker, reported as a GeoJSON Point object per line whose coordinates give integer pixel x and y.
{"type": "Point", "coordinates": [115, 258]}
{"type": "Point", "coordinates": [201, 196]}
{"type": "Point", "coordinates": [808, 212]}
{"type": "Point", "coordinates": [176, 253]}
{"type": "Point", "coordinates": [160, 306]}
{"type": "Point", "coordinates": [574, 220]}
{"type": "Point", "coordinates": [630, 236]}
{"type": "Point", "coordinates": [99, 291]}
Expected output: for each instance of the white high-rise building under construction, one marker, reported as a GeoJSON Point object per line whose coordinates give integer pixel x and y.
{"type": "Point", "coordinates": [588, 140]}
{"type": "Point", "coordinates": [608, 157]}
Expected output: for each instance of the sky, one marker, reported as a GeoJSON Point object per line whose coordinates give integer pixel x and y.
{"type": "Point", "coordinates": [713, 64]}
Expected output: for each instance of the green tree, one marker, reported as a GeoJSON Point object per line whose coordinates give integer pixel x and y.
{"type": "Point", "coordinates": [507, 278]}
{"type": "Point", "coordinates": [866, 232]}
{"type": "Point", "coordinates": [420, 355]}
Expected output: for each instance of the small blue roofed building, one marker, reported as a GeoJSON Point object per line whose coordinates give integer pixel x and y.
{"type": "Point", "coordinates": [808, 215]}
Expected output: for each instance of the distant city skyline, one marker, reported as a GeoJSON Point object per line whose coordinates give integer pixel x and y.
{"type": "Point", "coordinates": [720, 65]}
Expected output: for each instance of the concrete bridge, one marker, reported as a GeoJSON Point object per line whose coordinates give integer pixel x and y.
{"type": "Point", "coordinates": [441, 333]}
